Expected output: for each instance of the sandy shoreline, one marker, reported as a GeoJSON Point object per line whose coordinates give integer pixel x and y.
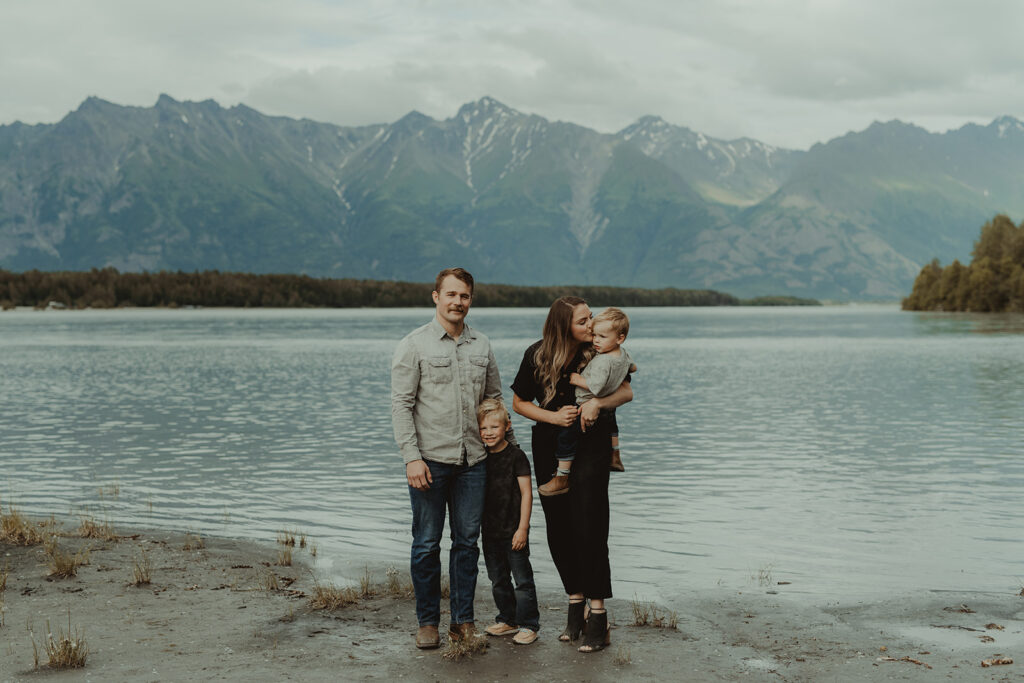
{"type": "Point", "coordinates": [207, 614]}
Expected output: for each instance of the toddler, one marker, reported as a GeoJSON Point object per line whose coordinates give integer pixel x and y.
{"type": "Point", "coordinates": [602, 375]}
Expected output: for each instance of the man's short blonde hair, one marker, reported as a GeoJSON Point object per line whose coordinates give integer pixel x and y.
{"type": "Point", "coordinates": [492, 406]}
{"type": "Point", "coordinates": [615, 316]}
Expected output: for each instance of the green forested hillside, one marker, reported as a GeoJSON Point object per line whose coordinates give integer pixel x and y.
{"type": "Point", "coordinates": [993, 282]}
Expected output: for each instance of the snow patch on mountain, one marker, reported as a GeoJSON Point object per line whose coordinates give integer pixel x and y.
{"type": "Point", "coordinates": [1006, 125]}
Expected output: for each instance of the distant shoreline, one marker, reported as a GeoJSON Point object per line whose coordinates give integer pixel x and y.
{"type": "Point", "coordinates": [108, 288]}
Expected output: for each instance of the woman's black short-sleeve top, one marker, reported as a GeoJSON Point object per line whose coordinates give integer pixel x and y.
{"type": "Point", "coordinates": [527, 388]}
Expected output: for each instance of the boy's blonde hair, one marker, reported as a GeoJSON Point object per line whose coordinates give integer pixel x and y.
{"type": "Point", "coordinates": [619, 320]}
{"type": "Point", "coordinates": [492, 406]}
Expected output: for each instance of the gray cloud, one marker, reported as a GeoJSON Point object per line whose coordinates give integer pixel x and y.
{"type": "Point", "coordinates": [790, 72]}
{"type": "Point", "coordinates": [868, 51]}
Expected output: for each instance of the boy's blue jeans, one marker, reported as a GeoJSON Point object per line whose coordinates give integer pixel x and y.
{"type": "Point", "coordinates": [518, 606]}
{"type": "Point", "coordinates": [459, 489]}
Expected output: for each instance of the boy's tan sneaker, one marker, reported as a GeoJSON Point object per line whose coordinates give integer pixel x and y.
{"type": "Point", "coordinates": [500, 628]}
{"type": "Point", "coordinates": [525, 637]}
{"type": "Point", "coordinates": [558, 485]}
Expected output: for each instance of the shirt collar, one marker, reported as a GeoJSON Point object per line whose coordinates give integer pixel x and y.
{"type": "Point", "coordinates": [468, 333]}
{"type": "Point", "coordinates": [507, 445]}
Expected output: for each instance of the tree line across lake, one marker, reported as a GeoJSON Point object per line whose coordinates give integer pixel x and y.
{"type": "Point", "coordinates": [992, 283]}
{"type": "Point", "coordinates": [108, 288]}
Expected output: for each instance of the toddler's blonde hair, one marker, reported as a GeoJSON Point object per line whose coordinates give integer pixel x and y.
{"type": "Point", "coordinates": [619, 320]}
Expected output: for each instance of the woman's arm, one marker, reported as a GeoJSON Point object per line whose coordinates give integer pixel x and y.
{"type": "Point", "coordinates": [563, 417]}
{"type": "Point", "coordinates": [590, 410]}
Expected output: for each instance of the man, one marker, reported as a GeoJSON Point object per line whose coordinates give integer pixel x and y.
{"type": "Point", "coordinates": [439, 375]}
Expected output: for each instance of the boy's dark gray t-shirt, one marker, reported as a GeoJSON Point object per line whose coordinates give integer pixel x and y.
{"type": "Point", "coordinates": [504, 499]}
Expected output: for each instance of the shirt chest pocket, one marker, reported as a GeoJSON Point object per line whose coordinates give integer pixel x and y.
{"type": "Point", "coordinates": [478, 370]}
{"type": "Point", "coordinates": [438, 370]}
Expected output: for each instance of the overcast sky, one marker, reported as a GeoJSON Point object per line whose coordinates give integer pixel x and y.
{"type": "Point", "coordinates": [787, 72]}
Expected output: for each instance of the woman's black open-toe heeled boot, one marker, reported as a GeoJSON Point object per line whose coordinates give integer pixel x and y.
{"type": "Point", "coordinates": [574, 624]}
{"type": "Point", "coordinates": [597, 635]}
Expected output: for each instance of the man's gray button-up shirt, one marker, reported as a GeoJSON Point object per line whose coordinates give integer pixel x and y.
{"type": "Point", "coordinates": [437, 382]}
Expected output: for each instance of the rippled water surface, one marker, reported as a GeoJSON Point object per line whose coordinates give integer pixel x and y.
{"type": "Point", "coordinates": [847, 450]}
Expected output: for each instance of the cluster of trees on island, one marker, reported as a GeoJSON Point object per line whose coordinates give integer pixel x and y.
{"type": "Point", "coordinates": [992, 283]}
{"type": "Point", "coordinates": [108, 288]}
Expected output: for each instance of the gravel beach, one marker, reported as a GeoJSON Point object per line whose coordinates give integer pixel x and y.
{"type": "Point", "coordinates": [213, 613]}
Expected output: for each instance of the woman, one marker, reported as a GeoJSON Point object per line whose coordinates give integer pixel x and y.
{"type": "Point", "coordinates": [577, 523]}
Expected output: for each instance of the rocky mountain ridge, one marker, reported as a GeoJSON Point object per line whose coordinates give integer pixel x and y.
{"type": "Point", "coordinates": [512, 196]}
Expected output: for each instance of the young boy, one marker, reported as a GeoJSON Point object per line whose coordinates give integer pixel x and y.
{"type": "Point", "coordinates": [603, 375]}
{"type": "Point", "coordinates": [506, 528]}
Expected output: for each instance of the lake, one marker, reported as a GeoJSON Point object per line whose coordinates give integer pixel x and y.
{"type": "Point", "coordinates": [853, 451]}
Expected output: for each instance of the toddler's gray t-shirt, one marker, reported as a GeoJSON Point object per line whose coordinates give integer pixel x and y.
{"type": "Point", "coordinates": [603, 374]}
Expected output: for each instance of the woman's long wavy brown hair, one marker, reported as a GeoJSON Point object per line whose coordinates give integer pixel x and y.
{"type": "Point", "coordinates": [557, 347]}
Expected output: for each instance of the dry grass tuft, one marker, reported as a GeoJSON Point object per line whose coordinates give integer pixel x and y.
{"type": "Point", "coordinates": [142, 569]}
{"type": "Point", "coordinates": [286, 538]}
{"type": "Point", "coordinates": [64, 565]}
{"type": "Point", "coordinates": [90, 528]}
{"type": "Point", "coordinates": [463, 648]}
{"type": "Point", "coordinates": [366, 587]}
{"type": "Point", "coordinates": [641, 612]}
{"type": "Point", "coordinates": [16, 529]}
{"type": "Point", "coordinates": [313, 549]}
{"type": "Point", "coordinates": [284, 557]}
{"type": "Point", "coordinates": [66, 651]}
{"type": "Point", "coordinates": [669, 620]}
{"type": "Point", "coordinates": [302, 541]}
{"type": "Point", "coordinates": [193, 542]}
{"type": "Point", "coordinates": [394, 587]}
{"type": "Point", "coordinates": [649, 614]}
{"type": "Point", "coordinates": [330, 597]}
{"type": "Point", "coordinates": [623, 656]}
{"type": "Point", "coordinates": [268, 582]}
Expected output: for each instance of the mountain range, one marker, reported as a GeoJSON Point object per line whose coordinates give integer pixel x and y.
{"type": "Point", "coordinates": [513, 197]}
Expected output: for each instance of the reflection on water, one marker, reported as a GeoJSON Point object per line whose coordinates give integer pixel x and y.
{"type": "Point", "coordinates": [851, 449]}
{"type": "Point", "coordinates": [978, 323]}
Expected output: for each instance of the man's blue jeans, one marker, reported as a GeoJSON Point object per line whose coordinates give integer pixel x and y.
{"type": "Point", "coordinates": [460, 489]}
{"type": "Point", "coordinates": [518, 606]}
